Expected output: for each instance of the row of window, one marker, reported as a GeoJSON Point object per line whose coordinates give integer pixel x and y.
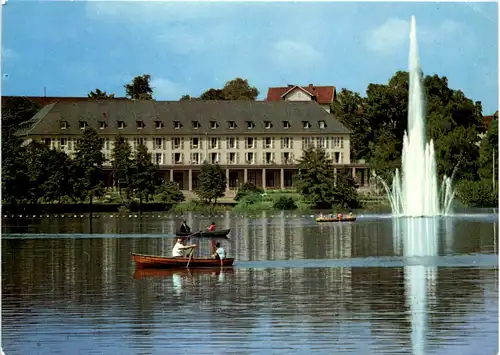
{"type": "Point", "coordinates": [215, 143]}
{"type": "Point", "coordinates": [248, 158]}
{"type": "Point", "coordinates": [196, 124]}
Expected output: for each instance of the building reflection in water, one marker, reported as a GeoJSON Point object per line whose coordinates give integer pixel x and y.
{"type": "Point", "coordinates": [418, 238]}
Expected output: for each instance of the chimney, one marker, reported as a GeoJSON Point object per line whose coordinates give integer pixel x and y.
{"type": "Point", "coordinates": [310, 85]}
{"type": "Point", "coordinates": [290, 86]}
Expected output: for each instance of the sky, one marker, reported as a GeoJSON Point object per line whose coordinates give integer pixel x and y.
{"type": "Point", "coordinates": [71, 48]}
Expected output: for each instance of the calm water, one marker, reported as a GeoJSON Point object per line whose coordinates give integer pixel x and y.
{"type": "Point", "coordinates": [424, 286]}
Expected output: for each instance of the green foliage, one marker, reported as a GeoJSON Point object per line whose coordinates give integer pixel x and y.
{"type": "Point", "coordinates": [316, 179]}
{"type": "Point", "coordinates": [142, 177]}
{"type": "Point", "coordinates": [86, 170]}
{"type": "Point", "coordinates": [477, 193]}
{"type": "Point", "coordinates": [212, 183]}
{"type": "Point", "coordinates": [488, 153]}
{"type": "Point", "coordinates": [16, 110]}
{"type": "Point", "coordinates": [345, 193]}
{"type": "Point", "coordinates": [100, 95]}
{"type": "Point", "coordinates": [285, 203]}
{"type": "Point", "coordinates": [121, 162]}
{"type": "Point", "coordinates": [247, 188]}
{"type": "Point", "coordinates": [199, 206]}
{"type": "Point", "coordinates": [14, 170]}
{"type": "Point", "coordinates": [140, 88]}
{"type": "Point", "coordinates": [169, 193]}
{"type": "Point", "coordinates": [236, 89]}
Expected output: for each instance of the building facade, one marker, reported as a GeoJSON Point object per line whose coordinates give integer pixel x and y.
{"type": "Point", "coordinates": [253, 141]}
{"type": "Point", "coordinates": [323, 95]}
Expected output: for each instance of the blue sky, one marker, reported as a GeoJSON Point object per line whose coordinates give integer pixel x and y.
{"type": "Point", "coordinates": [74, 47]}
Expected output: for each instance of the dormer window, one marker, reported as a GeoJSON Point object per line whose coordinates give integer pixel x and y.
{"type": "Point", "coordinates": [158, 124]}
{"type": "Point", "coordinates": [213, 125]}
{"type": "Point", "coordinates": [121, 124]}
{"type": "Point", "coordinates": [306, 124]}
{"type": "Point", "coordinates": [286, 124]}
{"type": "Point", "coordinates": [83, 125]}
{"type": "Point", "coordinates": [177, 124]}
{"type": "Point", "coordinates": [102, 124]}
{"type": "Point", "coordinates": [139, 124]}
{"type": "Point", "coordinates": [322, 124]}
{"type": "Point", "coordinates": [268, 124]}
{"type": "Point", "coordinates": [196, 125]}
{"type": "Point", "coordinates": [64, 125]}
{"type": "Point", "coordinates": [250, 125]}
{"type": "Point", "coordinates": [232, 124]}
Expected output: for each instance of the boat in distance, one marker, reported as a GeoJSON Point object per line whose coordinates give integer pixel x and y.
{"type": "Point", "coordinates": [335, 219]}
{"type": "Point", "coordinates": [221, 233]}
{"type": "Point", "coordinates": [143, 261]}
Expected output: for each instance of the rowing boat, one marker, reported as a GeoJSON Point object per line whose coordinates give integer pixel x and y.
{"type": "Point", "coordinates": [143, 261]}
{"type": "Point", "coordinates": [144, 273]}
{"type": "Point", "coordinates": [222, 233]}
{"type": "Point", "coordinates": [334, 219]}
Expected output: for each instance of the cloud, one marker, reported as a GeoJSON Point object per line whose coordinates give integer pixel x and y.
{"type": "Point", "coordinates": [291, 53]}
{"type": "Point", "coordinates": [165, 89]}
{"type": "Point", "coordinates": [9, 53]}
{"type": "Point", "coordinates": [393, 34]}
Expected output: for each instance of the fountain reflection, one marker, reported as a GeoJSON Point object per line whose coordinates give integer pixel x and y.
{"type": "Point", "coordinates": [418, 239]}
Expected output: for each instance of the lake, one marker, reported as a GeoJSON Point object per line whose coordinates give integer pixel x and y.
{"type": "Point", "coordinates": [378, 285]}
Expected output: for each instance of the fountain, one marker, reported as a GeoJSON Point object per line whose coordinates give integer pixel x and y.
{"type": "Point", "coordinates": [415, 192]}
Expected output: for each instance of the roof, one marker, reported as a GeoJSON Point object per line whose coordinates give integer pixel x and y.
{"type": "Point", "coordinates": [487, 119]}
{"type": "Point", "coordinates": [48, 120]}
{"type": "Point", "coordinates": [323, 94]}
{"type": "Point", "coordinates": [46, 100]}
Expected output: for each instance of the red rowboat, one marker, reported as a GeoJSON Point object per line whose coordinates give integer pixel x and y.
{"type": "Point", "coordinates": [162, 262]}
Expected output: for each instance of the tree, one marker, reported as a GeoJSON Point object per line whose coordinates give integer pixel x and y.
{"type": "Point", "coordinates": [212, 183]}
{"type": "Point", "coordinates": [488, 153]}
{"type": "Point", "coordinates": [86, 170]}
{"type": "Point", "coordinates": [239, 89]}
{"type": "Point", "coordinates": [212, 94]}
{"type": "Point", "coordinates": [140, 88]}
{"type": "Point", "coordinates": [100, 95]}
{"type": "Point", "coordinates": [56, 184]}
{"type": "Point", "coordinates": [121, 162]}
{"type": "Point", "coordinates": [316, 179]}
{"type": "Point", "coordinates": [16, 110]}
{"type": "Point", "coordinates": [143, 175]}
{"type": "Point", "coordinates": [169, 193]}
{"type": "Point", "coordinates": [246, 189]}
{"type": "Point", "coordinates": [345, 193]}
{"type": "Point", "coordinates": [15, 178]}
{"type": "Point", "coordinates": [188, 98]}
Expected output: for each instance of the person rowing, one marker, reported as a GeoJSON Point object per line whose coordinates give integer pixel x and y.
{"type": "Point", "coordinates": [211, 228]}
{"type": "Point", "coordinates": [179, 248]}
{"type": "Point", "coordinates": [185, 228]}
{"type": "Point", "coordinates": [220, 253]}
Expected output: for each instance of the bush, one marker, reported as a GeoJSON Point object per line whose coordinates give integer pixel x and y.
{"type": "Point", "coordinates": [477, 193]}
{"type": "Point", "coordinates": [285, 203]}
{"type": "Point", "coordinates": [198, 206]}
{"type": "Point", "coordinates": [246, 189]}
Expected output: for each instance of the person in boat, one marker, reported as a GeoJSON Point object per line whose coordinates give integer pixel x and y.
{"type": "Point", "coordinates": [220, 253]}
{"type": "Point", "coordinates": [339, 216]}
{"type": "Point", "coordinates": [178, 251]}
{"type": "Point", "coordinates": [321, 216]}
{"type": "Point", "coordinates": [351, 215]}
{"type": "Point", "coordinates": [211, 228]}
{"type": "Point", "coordinates": [185, 228]}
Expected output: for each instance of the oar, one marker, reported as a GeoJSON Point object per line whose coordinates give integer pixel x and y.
{"type": "Point", "coordinates": [190, 256]}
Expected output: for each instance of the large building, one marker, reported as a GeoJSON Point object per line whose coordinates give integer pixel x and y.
{"type": "Point", "coordinates": [254, 141]}
{"type": "Point", "coordinates": [323, 95]}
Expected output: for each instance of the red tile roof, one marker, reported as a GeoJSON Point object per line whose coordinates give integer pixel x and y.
{"type": "Point", "coordinates": [323, 94]}
{"type": "Point", "coordinates": [487, 119]}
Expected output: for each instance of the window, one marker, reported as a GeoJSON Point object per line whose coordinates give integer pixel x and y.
{"type": "Point", "coordinates": [250, 158]}
{"type": "Point", "coordinates": [322, 124]}
{"type": "Point", "coordinates": [232, 158]}
{"type": "Point", "coordinates": [195, 143]}
{"type": "Point", "coordinates": [83, 125]}
{"type": "Point", "coordinates": [139, 141]}
{"type": "Point", "coordinates": [286, 124]}
{"type": "Point", "coordinates": [63, 142]}
{"type": "Point", "coordinates": [104, 143]}
{"type": "Point", "coordinates": [213, 125]}
{"type": "Point", "coordinates": [337, 142]}
{"type": "Point", "coordinates": [287, 158]}
{"type": "Point", "coordinates": [195, 158]}
{"type": "Point", "coordinates": [306, 142]}
{"type": "Point", "coordinates": [158, 124]}
{"type": "Point", "coordinates": [268, 124]}
{"type": "Point", "coordinates": [159, 158]}
{"type": "Point", "coordinates": [306, 124]}
{"type": "Point", "coordinates": [177, 158]}
{"type": "Point", "coordinates": [214, 158]}
{"type": "Point", "coordinates": [48, 141]}
{"type": "Point", "coordinates": [268, 158]}
{"type": "Point", "coordinates": [250, 125]}
{"type": "Point", "coordinates": [158, 143]}
{"type": "Point", "coordinates": [231, 124]}
{"type": "Point", "coordinates": [176, 142]}
{"type": "Point", "coordinates": [102, 124]}
{"type": "Point", "coordinates": [321, 142]}
{"type": "Point", "coordinates": [231, 143]}
{"type": "Point", "coordinates": [177, 124]}
{"type": "Point", "coordinates": [337, 158]}
{"type": "Point", "coordinates": [121, 124]}
{"type": "Point", "coordinates": [286, 143]}
{"type": "Point", "coordinates": [64, 124]}
{"type": "Point", "coordinates": [214, 143]}
{"type": "Point", "coordinates": [196, 124]}
{"type": "Point", "coordinates": [250, 144]}
{"type": "Point", "coordinates": [268, 142]}
{"type": "Point", "coordinates": [139, 124]}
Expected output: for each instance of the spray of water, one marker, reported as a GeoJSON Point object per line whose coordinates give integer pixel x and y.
{"type": "Point", "coordinates": [415, 192]}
